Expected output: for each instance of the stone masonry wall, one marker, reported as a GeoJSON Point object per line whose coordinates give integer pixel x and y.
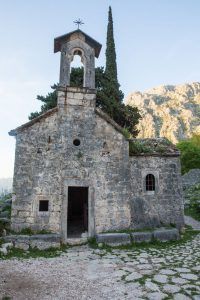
{"type": "Point", "coordinates": [100, 162]}
{"type": "Point", "coordinates": [165, 205]}
{"type": "Point", "coordinates": [37, 177]}
{"type": "Point", "coordinates": [47, 163]}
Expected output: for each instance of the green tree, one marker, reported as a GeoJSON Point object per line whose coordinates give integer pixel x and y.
{"type": "Point", "coordinates": [112, 86]}
{"type": "Point", "coordinates": [110, 97]}
{"type": "Point", "coordinates": [190, 153]}
{"type": "Point", "coordinates": [50, 101]}
{"type": "Point", "coordinates": [126, 116]}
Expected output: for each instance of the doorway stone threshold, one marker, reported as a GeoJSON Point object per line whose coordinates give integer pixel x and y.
{"type": "Point", "coordinates": [76, 241]}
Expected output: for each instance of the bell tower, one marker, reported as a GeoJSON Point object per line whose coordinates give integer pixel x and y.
{"type": "Point", "coordinates": [77, 43]}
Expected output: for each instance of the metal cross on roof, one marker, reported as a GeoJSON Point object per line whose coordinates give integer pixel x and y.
{"type": "Point", "coordinates": [78, 22]}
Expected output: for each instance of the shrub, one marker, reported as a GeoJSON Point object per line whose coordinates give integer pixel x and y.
{"type": "Point", "coordinates": [136, 147]}
{"type": "Point", "coordinates": [190, 153]}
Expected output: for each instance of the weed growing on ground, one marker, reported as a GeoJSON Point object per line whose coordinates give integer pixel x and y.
{"type": "Point", "coordinates": [29, 231]}
{"type": "Point", "coordinates": [34, 253]}
{"type": "Point", "coordinates": [153, 245]}
{"type": "Point", "coordinates": [142, 280]}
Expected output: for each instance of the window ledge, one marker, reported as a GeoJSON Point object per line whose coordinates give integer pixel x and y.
{"type": "Point", "coordinates": [43, 213]}
{"type": "Point", "coordinates": [150, 192]}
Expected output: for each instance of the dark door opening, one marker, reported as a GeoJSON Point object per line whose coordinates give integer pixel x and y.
{"type": "Point", "coordinates": [77, 219]}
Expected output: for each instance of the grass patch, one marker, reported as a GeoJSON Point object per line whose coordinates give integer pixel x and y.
{"type": "Point", "coordinates": [142, 280]}
{"type": "Point", "coordinates": [34, 253]}
{"type": "Point", "coordinates": [29, 231]}
{"type": "Point", "coordinates": [137, 147]}
{"type": "Point", "coordinates": [126, 133]}
{"type": "Point", "coordinates": [150, 146]}
{"type": "Point", "coordinates": [154, 244]}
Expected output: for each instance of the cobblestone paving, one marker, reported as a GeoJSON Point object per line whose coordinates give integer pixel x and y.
{"type": "Point", "coordinates": [84, 273]}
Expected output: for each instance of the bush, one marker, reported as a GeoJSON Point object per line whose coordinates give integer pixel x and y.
{"type": "Point", "coordinates": [4, 225]}
{"type": "Point", "coordinates": [136, 147]}
{"type": "Point", "coordinates": [108, 98]}
{"type": "Point", "coordinates": [190, 153]}
{"type": "Point", "coordinates": [192, 206]}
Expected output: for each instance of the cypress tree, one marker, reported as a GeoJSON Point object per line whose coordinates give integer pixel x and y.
{"type": "Point", "coordinates": [111, 65]}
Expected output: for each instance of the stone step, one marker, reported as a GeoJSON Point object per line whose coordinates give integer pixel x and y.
{"type": "Point", "coordinates": [118, 239]}
{"type": "Point", "coordinates": [76, 241]}
{"type": "Point", "coordinates": [39, 241]}
{"type": "Point", "coordinates": [114, 239]}
{"type": "Point", "coordinates": [165, 235]}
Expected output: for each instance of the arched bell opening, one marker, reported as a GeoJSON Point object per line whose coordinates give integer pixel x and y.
{"type": "Point", "coordinates": [77, 69]}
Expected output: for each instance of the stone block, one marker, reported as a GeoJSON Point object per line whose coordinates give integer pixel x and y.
{"type": "Point", "coordinates": [4, 251]}
{"type": "Point", "coordinates": [70, 95]}
{"type": "Point", "coordinates": [43, 245]}
{"type": "Point", "coordinates": [24, 214]}
{"type": "Point", "coordinates": [74, 102]}
{"type": "Point", "coordinates": [22, 244]}
{"type": "Point", "coordinates": [13, 238]}
{"type": "Point", "coordinates": [7, 245]}
{"type": "Point", "coordinates": [39, 241]}
{"type": "Point", "coordinates": [52, 237]}
{"type": "Point", "coordinates": [30, 220]}
{"type": "Point", "coordinates": [89, 97]}
{"type": "Point", "coordinates": [166, 234]}
{"type": "Point", "coordinates": [139, 237]}
{"type": "Point", "coordinates": [14, 212]}
{"type": "Point", "coordinates": [78, 96]}
{"type": "Point", "coordinates": [114, 239]}
{"type": "Point", "coordinates": [45, 241]}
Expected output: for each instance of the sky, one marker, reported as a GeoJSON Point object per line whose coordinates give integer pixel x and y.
{"type": "Point", "coordinates": [157, 42]}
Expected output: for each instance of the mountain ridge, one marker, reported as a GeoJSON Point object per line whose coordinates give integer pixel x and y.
{"type": "Point", "coordinates": [171, 111]}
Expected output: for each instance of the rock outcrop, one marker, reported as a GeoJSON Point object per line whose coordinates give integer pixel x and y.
{"type": "Point", "coordinates": [168, 111]}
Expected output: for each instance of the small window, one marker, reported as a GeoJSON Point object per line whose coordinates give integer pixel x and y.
{"type": "Point", "coordinates": [150, 182]}
{"type": "Point", "coordinates": [76, 142]}
{"type": "Point", "coordinates": [44, 205]}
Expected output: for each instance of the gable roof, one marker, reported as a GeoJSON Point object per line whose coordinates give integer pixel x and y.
{"type": "Point", "coordinates": [55, 109]}
{"type": "Point", "coordinates": [35, 120]}
{"type": "Point", "coordinates": [108, 119]}
{"type": "Point", "coordinates": [58, 41]}
{"type": "Point", "coordinates": [137, 147]}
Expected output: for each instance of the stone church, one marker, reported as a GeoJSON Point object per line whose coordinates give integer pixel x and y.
{"type": "Point", "coordinates": [74, 172]}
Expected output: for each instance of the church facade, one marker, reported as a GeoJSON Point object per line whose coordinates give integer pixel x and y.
{"type": "Point", "coordinates": [74, 172]}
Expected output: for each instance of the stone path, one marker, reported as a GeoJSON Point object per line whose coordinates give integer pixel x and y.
{"type": "Point", "coordinates": [192, 222]}
{"type": "Point", "coordinates": [83, 273]}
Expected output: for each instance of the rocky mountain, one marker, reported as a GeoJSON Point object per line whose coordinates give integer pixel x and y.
{"type": "Point", "coordinates": [171, 111]}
